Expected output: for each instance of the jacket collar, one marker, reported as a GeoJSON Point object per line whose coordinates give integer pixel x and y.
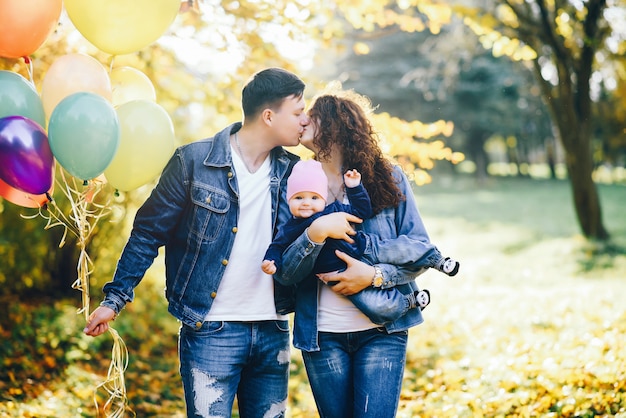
{"type": "Point", "coordinates": [219, 153]}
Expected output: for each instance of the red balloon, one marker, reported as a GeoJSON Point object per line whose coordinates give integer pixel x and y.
{"type": "Point", "coordinates": [26, 160]}
{"type": "Point", "coordinates": [24, 199]}
{"type": "Point", "coordinates": [26, 24]}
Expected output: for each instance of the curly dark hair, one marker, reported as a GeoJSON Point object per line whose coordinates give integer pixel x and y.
{"type": "Point", "coordinates": [344, 125]}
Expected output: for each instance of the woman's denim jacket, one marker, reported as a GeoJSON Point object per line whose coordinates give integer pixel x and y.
{"type": "Point", "coordinates": [193, 212]}
{"type": "Point", "coordinates": [395, 235]}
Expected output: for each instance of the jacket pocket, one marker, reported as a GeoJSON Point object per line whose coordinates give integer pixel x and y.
{"type": "Point", "coordinates": [210, 208]}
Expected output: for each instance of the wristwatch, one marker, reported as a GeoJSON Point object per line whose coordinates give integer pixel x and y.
{"type": "Point", "coordinates": [377, 280]}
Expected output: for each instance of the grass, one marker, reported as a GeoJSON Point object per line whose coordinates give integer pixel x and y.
{"type": "Point", "coordinates": [526, 328]}
{"type": "Point", "coordinates": [533, 325]}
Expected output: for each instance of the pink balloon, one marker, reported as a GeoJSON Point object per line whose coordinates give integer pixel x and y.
{"type": "Point", "coordinates": [26, 160]}
{"type": "Point", "coordinates": [73, 73]}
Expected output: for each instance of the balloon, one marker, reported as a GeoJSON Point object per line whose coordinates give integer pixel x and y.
{"type": "Point", "coordinates": [21, 198]}
{"type": "Point", "coordinates": [122, 26]}
{"type": "Point", "coordinates": [128, 84]}
{"type": "Point", "coordinates": [18, 97]}
{"type": "Point", "coordinates": [146, 144]}
{"type": "Point", "coordinates": [70, 74]}
{"type": "Point", "coordinates": [26, 24]}
{"type": "Point", "coordinates": [84, 134]}
{"type": "Point", "coordinates": [26, 161]}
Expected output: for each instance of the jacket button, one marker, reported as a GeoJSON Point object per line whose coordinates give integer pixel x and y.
{"type": "Point", "coordinates": [213, 294]}
{"type": "Point", "coordinates": [198, 324]}
{"type": "Point", "coordinates": [234, 229]}
{"type": "Point", "coordinates": [208, 199]}
{"type": "Point", "coordinates": [224, 262]}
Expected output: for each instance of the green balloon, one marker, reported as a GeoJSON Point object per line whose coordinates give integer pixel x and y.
{"type": "Point", "coordinates": [84, 134]}
{"type": "Point", "coordinates": [18, 97]}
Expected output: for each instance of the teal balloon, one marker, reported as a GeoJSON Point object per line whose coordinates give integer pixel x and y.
{"type": "Point", "coordinates": [18, 97]}
{"type": "Point", "coordinates": [84, 134]}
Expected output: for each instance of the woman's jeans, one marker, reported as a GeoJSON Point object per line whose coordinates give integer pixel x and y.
{"type": "Point", "coordinates": [357, 374]}
{"type": "Point", "coordinates": [224, 359]}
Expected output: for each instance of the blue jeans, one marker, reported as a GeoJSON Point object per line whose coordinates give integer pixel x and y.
{"type": "Point", "coordinates": [357, 374]}
{"type": "Point", "coordinates": [246, 359]}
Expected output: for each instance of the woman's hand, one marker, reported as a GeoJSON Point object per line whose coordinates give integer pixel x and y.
{"type": "Point", "coordinates": [356, 277]}
{"type": "Point", "coordinates": [334, 225]}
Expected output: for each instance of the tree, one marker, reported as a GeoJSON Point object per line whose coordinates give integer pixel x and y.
{"type": "Point", "coordinates": [450, 76]}
{"type": "Point", "coordinates": [565, 38]}
{"type": "Point", "coordinates": [561, 39]}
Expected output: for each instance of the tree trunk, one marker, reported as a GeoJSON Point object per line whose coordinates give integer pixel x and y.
{"type": "Point", "coordinates": [586, 200]}
{"type": "Point", "coordinates": [567, 92]}
{"type": "Point", "coordinates": [476, 149]}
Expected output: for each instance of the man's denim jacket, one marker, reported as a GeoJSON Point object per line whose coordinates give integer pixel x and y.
{"type": "Point", "coordinates": [396, 236]}
{"type": "Point", "coordinates": [193, 212]}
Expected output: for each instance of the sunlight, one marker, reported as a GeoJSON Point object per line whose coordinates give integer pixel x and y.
{"type": "Point", "coordinates": [217, 49]}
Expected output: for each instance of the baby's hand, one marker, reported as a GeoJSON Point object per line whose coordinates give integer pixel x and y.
{"type": "Point", "coordinates": [352, 178]}
{"type": "Point", "coordinates": [268, 267]}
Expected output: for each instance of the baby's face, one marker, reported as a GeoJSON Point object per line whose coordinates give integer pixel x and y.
{"type": "Point", "coordinates": [305, 204]}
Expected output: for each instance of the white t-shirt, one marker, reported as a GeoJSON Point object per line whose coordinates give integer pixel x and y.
{"type": "Point", "coordinates": [245, 292]}
{"type": "Point", "coordinates": [337, 314]}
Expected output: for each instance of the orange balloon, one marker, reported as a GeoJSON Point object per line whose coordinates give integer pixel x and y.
{"type": "Point", "coordinates": [26, 24]}
{"type": "Point", "coordinates": [24, 199]}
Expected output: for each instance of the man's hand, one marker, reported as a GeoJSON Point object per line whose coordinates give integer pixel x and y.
{"type": "Point", "coordinates": [98, 322]}
{"type": "Point", "coordinates": [356, 277]}
{"type": "Point", "coordinates": [334, 225]}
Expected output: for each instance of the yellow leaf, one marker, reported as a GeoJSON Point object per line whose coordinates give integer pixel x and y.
{"type": "Point", "coordinates": [361, 48]}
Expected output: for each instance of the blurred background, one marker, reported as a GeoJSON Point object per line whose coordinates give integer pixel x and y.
{"type": "Point", "coordinates": [509, 116]}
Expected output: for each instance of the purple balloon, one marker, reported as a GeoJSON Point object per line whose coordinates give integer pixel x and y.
{"type": "Point", "coordinates": [26, 161]}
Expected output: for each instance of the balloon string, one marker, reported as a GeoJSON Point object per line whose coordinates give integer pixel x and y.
{"type": "Point", "coordinates": [82, 282]}
{"type": "Point", "coordinates": [29, 68]}
{"type": "Point", "coordinates": [114, 385]}
{"type": "Point", "coordinates": [111, 62]}
{"type": "Point", "coordinates": [81, 221]}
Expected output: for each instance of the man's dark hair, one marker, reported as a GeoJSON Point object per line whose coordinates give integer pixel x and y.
{"type": "Point", "coordinates": [268, 88]}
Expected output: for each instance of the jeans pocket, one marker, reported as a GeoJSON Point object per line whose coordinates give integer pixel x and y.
{"type": "Point", "coordinates": [282, 325]}
{"type": "Point", "coordinates": [383, 330]}
{"type": "Point", "coordinates": [207, 328]}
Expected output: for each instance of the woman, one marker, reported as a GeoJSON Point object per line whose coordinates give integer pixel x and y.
{"type": "Point", "coordinates": [354, 366]}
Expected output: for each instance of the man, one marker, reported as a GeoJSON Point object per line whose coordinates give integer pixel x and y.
{"type": "Point", "coordinates": [215, 209]}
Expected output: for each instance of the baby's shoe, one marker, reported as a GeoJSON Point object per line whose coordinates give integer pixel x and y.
{"type": "Point", "coordinates": [422, 297]}
{"type": "Point", "coordinates": [449, 266]}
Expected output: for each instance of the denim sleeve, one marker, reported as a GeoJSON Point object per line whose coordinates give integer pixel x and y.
{"type": "Point", "coordinates": [154, 223]}
{"type": "Point", "coordinates": [400, 255]}
{"type": "Point", "coordinates": [298, 260]}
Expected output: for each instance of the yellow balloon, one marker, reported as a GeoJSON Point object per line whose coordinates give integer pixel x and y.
{"type": "Point", "coordinates": [73, 73]}
{"type": "Point", "coordinates": [146, 145]}
{"type": "Point", "coordinates": [130, 84]}
{"type": "Point", "coordinates": [121, 26]}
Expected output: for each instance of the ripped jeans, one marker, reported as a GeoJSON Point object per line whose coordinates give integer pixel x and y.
{"type": "Point", "coordinates": [246, 359]}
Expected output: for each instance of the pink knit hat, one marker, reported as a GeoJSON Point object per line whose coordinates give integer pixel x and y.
{"type": "Point", "coordinates": [307, 176]}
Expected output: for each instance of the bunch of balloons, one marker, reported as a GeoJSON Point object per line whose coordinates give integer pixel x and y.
{"type": "Point", "coordinates": [94, 123]}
